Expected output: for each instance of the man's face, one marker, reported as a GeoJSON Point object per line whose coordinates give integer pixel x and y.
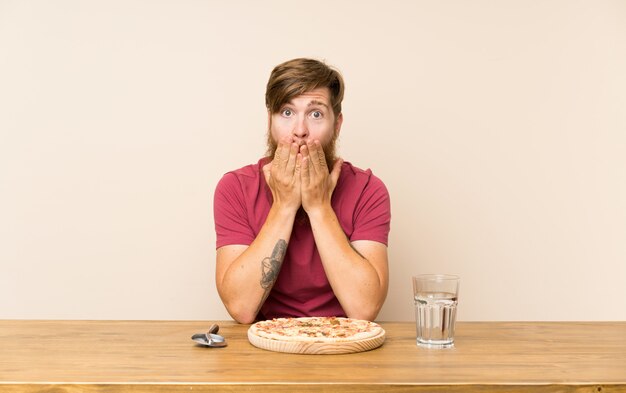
{"type": "Point", "coordinates": [306, 118]}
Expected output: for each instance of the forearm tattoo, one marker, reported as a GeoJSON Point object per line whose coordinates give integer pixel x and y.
{"type": "Point", "coordinates": [270, 266]}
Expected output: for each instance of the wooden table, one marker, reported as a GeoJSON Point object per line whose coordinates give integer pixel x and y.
{"type": "Point", "coordinates": [159, 356]}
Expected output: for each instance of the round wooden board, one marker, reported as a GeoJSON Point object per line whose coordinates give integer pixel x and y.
{"type": "Point", "coordinates": [317, 348]}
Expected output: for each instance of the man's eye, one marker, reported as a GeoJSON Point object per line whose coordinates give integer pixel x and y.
{"type": "Point", "coordinates": [287, 112]}
{"type": "Point", "coordinates": [317, 115]}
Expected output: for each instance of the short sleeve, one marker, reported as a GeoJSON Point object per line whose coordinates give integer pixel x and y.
{"type": "Point", "coordinates": [372, 219]}
{"type": "Point", "coordinates": [229, 211]}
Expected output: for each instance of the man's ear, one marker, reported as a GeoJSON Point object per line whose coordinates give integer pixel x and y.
{"type": "Point", "coordinates": [338, 123]}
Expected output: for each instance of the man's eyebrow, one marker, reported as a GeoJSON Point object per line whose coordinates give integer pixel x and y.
{"type": "Point", "coordinates": [316, 102]}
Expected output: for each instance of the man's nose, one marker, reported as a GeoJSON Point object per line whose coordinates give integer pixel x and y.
{"type": "Point", "coordinates": [300, 129]}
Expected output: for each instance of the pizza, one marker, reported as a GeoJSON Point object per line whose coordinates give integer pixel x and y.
{"type": "Point", "coordinates": [316, 330]}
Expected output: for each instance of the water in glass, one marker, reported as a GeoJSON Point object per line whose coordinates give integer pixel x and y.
{"type": "Point", "coordinates": [435, 315]}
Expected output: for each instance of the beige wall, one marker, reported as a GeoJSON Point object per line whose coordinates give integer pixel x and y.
{"type": "Point", "coordinates": [499, 128]}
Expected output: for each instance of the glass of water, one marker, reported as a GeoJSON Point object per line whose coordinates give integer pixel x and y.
{"type": "Point", "coordinates": [436, 298]}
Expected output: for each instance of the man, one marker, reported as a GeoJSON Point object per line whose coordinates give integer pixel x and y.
{"type": "Point", "coordinates": [301, 232]}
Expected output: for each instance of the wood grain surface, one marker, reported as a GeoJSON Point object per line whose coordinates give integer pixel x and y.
{"type": "Point", "coordinates": [159, 356]}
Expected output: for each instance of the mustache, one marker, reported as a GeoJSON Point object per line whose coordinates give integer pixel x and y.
{"type": "Point", "coordinates": [329, 149]}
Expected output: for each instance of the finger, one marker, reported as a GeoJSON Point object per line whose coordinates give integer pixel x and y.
{"type": "Point", "coordinates": [307, 170]}
{"type": "Point", "coordinates": [291, 159]}
{"type": "Point", "coordinates": [305, 173]}
{"type": "Point", "coordinates": [297, 173]}
{"type": "Point", "coordinates": [320, 155]}
{"type": "Point", "coordinates": [312, 154]}
{"type": "Point", "coordinates": [278, 155]}
{"type": "Point", "coordinates": [281, 156]}
{"type": "Point", "coordinates": [304, 149]}
{"type": "Point", "coordinates": [318, 160]}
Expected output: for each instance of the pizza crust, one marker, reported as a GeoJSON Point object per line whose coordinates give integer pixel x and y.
{"type": "Point", "coordinates": [316, 329]}
{"type": "Point", "coordinates": [316, 335]}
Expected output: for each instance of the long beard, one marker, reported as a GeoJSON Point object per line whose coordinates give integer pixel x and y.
{"type": "Point", "coordinates": [329, 149]}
